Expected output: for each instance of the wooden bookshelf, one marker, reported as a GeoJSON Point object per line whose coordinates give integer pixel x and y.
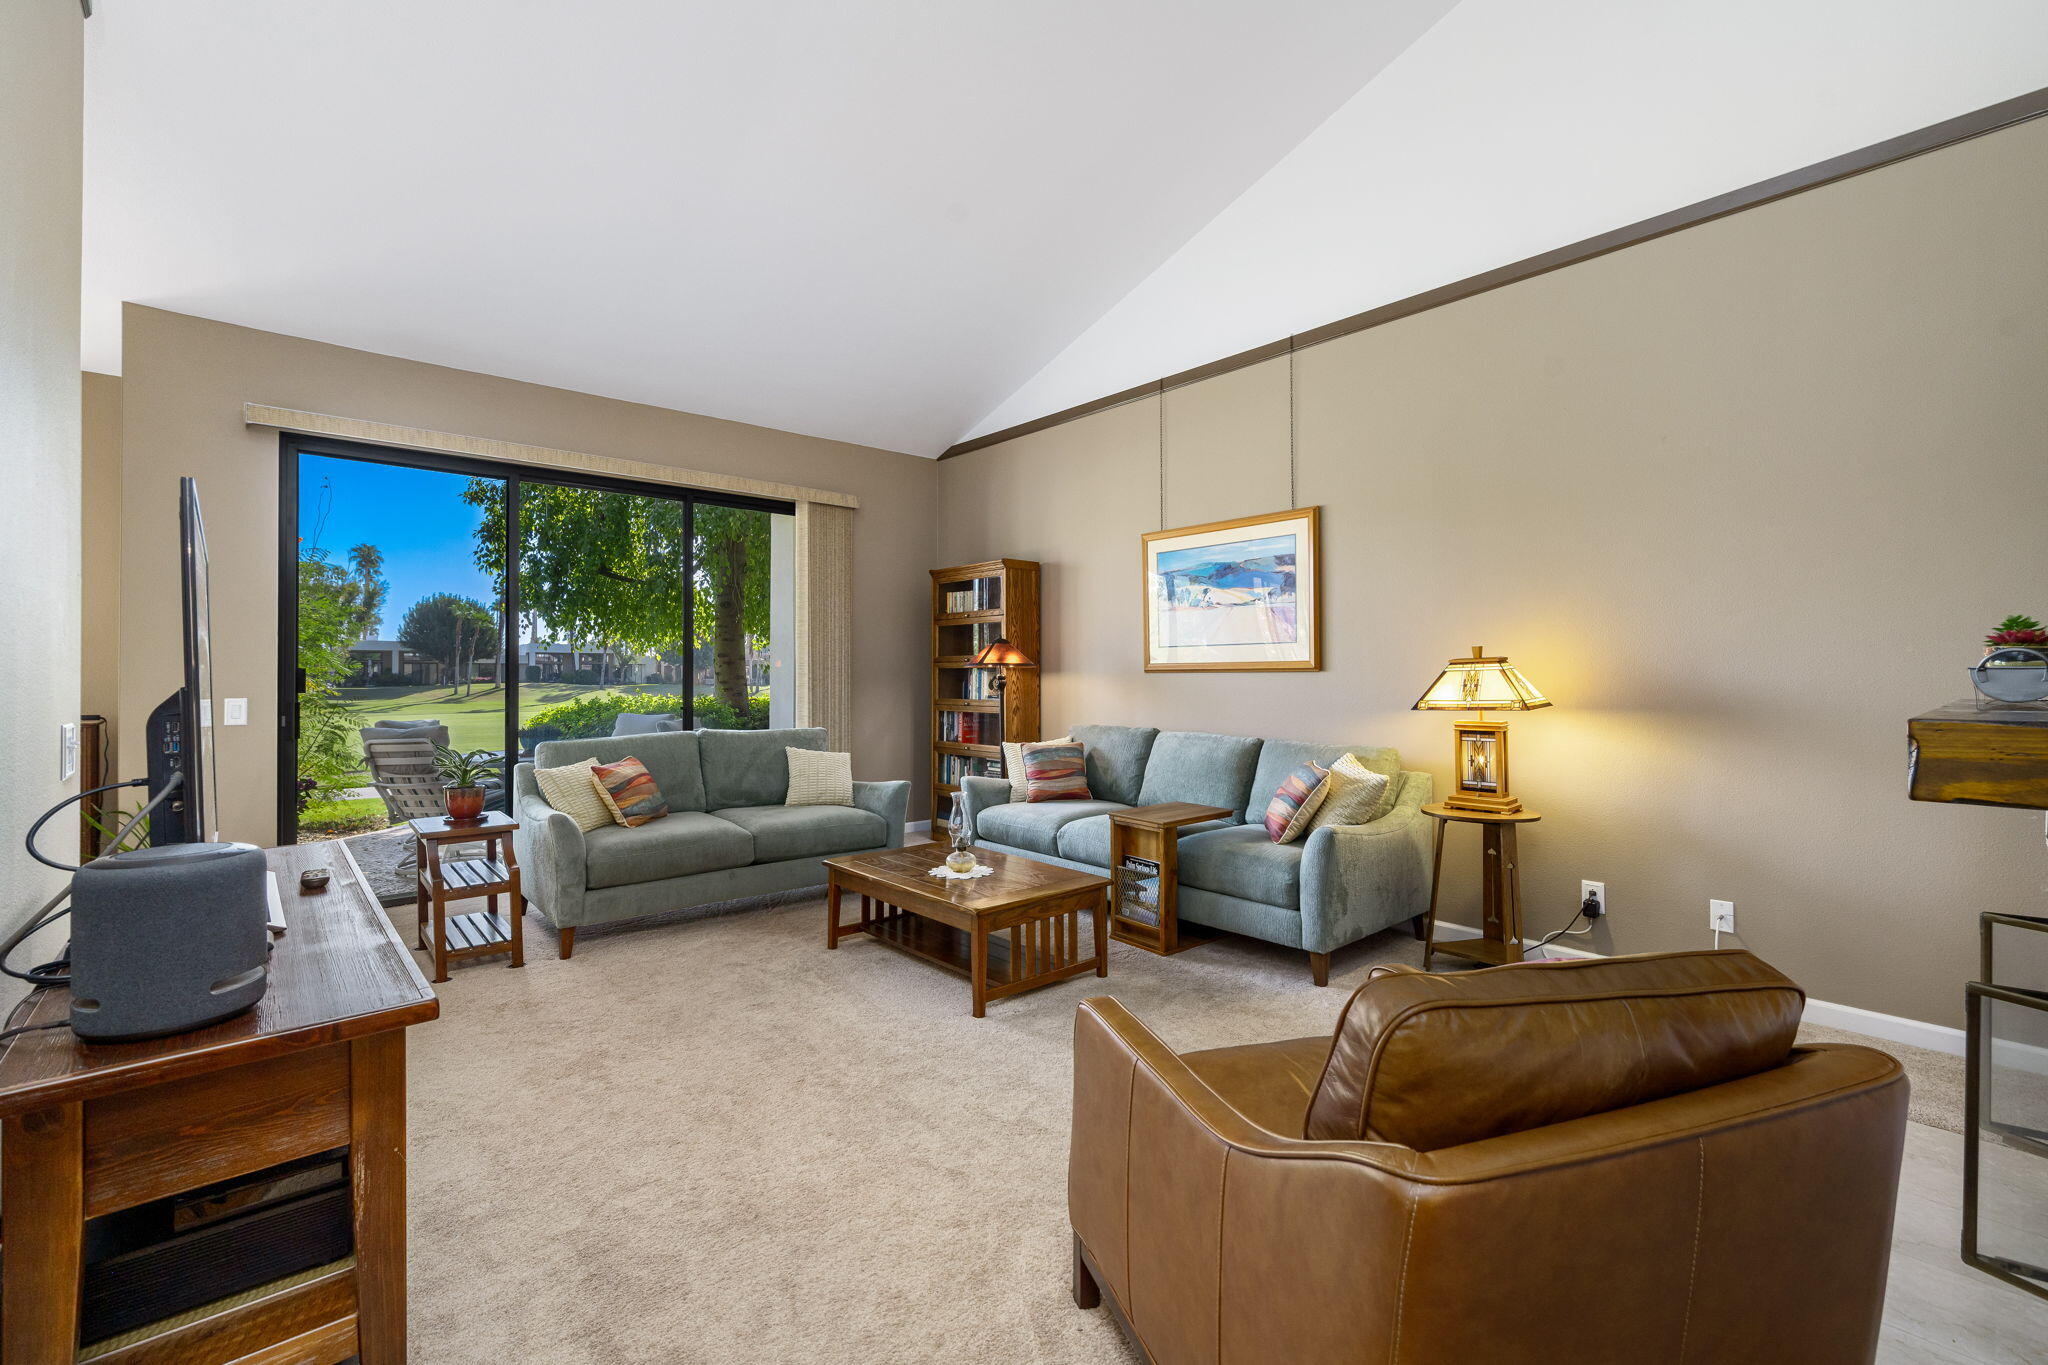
{"type": "Point", "coordinates": [969, 724]}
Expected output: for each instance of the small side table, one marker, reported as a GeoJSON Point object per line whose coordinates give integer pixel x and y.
{"type": "Point", "coordinates": [1152, 921]}
{"type": "Point", "coordinates": [481, 932]}
{"type": "Point", "coordinates": [1500, 901]}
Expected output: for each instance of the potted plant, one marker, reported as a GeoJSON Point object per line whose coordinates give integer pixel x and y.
{"type": "Point", "coordinates": [2015, 663]}
{"type": "Point", "coordinates": [462, 776]}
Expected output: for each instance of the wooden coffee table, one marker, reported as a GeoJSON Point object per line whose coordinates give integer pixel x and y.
{"type": "Point", "coordinates": [1014, 930]}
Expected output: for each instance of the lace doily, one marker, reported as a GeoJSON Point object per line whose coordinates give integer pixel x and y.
{"type": "Point", "coordinates": [948, 874]}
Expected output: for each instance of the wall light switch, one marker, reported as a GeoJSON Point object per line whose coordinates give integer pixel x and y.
{"type": "Point", "coordinates": [235, 711]}
{"type": "Point", "coordinates": [67, 751]}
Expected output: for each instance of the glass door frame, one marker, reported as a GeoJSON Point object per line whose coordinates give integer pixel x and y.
{"type": "Point", "coordinates": [291, 445]}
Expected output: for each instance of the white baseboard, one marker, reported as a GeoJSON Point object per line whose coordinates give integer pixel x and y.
{"type": "Point", "coordinates": [1852, 1018]}
{"type": "Point", "coordinates": [916, 827]}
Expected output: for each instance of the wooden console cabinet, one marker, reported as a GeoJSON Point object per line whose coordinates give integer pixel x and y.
{"type": "Point", "coordinates": [318, 1063]}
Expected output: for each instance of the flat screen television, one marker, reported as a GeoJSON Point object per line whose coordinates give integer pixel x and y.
{"type": "Point", "coordinates": [181, 728]}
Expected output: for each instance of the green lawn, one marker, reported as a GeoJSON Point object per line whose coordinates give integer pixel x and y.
{"type": "Point", "coordinates": [337, 819]}
{"type": "Point", "coordinates": [475, 719]}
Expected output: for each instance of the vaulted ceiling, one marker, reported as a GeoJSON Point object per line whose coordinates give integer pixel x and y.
{"type": "Point", "coordinates": [871, 221]}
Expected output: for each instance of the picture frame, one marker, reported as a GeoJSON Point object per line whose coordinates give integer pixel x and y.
{"type": "Point", "coordinates": [1236, 596]}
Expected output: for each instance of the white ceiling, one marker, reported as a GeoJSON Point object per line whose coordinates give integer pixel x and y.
{"type": "Point", "coordinates": [872, 221]}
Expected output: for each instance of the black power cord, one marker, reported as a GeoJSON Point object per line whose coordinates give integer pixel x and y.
{"type": "Point", "coordinates": [1590, 909]}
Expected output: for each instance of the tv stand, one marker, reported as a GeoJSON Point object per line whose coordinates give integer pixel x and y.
{"type": "Point", "coordinates": [318, 1063]}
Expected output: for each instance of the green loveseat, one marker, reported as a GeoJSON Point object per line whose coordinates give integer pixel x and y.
{"type": "Point", "coordinates": [1340, 884]}
{"type": "Point", "coordinates": [727, 835]}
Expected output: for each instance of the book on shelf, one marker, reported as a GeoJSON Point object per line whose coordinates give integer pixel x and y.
{"type": "Point", "coordinates": [953, 767]}
{"type": "Point", "coordinates": [981, 594]}
{"type": "Point", "coordinates": [968, 727]}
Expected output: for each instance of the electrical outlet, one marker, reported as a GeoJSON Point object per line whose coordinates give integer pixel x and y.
{"type": "Point", "coordinates": [1721, 916]}
{"type": "Point", "coordinates": [67, 751]}
{"type": "Point", "coordinates": [236, 712]}
{"type": "Point", "coordinates": [1596, 892]}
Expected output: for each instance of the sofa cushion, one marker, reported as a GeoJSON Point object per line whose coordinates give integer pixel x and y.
{"type": "Point", "coordinates": [1116, 759]}
{"type": "Point", "coordinates": [1035, 827]}
{"type": "Point", "coordinates": [1087, 841]}
{"type": "Point", "coordinates": [670, 759]}
{"type": "Point", "coordinates": [1279, 757]}
{"type": "Point", "coordinates": [683, 843]}
{"type": "Point", "coordinates": [1429, 1061]}
{"type": "Point", "coordinates": [645, 723]}
{"type": "Point", "coordinates": [748, 767]}
{"type": "Point", "coordinates": [782, 832]}
{"type": "Point", "coordinates": [1243, 861]}
{"type": "Point", "coordinates": [1055, 772]}
{"type": "Point", "coordinates": [1209, 770]}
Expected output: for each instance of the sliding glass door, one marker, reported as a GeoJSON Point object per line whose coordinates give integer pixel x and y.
{"type": "Point", "coordinates": [479, 608]}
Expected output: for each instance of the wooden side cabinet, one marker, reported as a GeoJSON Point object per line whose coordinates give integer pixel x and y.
{"type": "Point", "coordinates": [1980, 753]}
{"type": "Point", "coordinates": [1144, 906]}
{"type": "Point", "coordinates": [317, 1064]}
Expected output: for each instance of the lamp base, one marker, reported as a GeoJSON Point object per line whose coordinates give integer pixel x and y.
{"type": "Point", "coordinates": [1483, 805]}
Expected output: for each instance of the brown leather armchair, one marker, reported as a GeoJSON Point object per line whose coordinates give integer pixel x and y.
{"type": "Point", "coordinates": [1621, 1161]}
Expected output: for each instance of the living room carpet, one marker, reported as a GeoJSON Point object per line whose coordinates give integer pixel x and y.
{"type": "Point", "coordinates": [711, 1140]}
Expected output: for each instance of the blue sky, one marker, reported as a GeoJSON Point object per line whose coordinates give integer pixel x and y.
{"type": "Point", "coordinates": [416, 516]}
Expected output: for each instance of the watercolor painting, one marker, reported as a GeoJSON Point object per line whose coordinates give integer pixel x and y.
{"type": "Point", "coordinates": [1233, 595]}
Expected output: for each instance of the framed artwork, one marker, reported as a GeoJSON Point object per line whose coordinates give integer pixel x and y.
{"type": "Point", "coordinates": [1240, 596]}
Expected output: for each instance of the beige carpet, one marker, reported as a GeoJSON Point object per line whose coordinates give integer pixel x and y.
{"type": "Point", "coordinates": [714, 1141]}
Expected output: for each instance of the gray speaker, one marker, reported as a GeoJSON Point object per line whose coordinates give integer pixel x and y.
{"type": "Point", "coordinates": [167, 939]}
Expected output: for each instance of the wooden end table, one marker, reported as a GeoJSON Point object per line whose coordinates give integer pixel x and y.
{"type": "Point", "coordinates": [1500, 900]}
{"type": "Point", "coordinates": [1153, 834]}
{"type": "Point", "coordinates": [319, 1062]}
{"type": "Point", "coordinates": [1012, 931]}
{"type": "Point", "coordinates": [480, 932]}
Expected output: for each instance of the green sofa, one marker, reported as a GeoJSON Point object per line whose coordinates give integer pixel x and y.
{"type": "Point", "coordinates": [1340, 884]}
{"type": "Point", "coordinates": [727, 835]}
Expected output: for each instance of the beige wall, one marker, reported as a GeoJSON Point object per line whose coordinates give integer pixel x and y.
{"type": "Point", "coordinates": [1740, 500]}
{"type": "Point", "coordinates": [41, 137]}
{"type": "Point", "coordinates": [100, 548]}
{"type": "Point", "coordinates": [185, 380]}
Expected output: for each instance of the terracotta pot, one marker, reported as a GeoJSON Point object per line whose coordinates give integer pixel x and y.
{"type": "Point", "coordinates": [464, 803]}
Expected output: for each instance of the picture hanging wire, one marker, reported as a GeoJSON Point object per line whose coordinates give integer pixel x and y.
{"type": "Point", "coordinates": [1293, 497]}
{"type": "Point", "coordinates": [1162, 457]}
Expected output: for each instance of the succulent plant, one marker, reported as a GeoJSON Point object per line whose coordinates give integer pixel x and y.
{"type": "Point", "coordinates": [2017, 632]}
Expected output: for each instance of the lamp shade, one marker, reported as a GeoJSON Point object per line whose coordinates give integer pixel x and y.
{"type": "Point", "coordinates": [1481, 683]}
{"type": "Point", "coordinates": [1001, 651]}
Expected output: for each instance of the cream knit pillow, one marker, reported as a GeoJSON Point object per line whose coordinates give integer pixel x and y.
{"type": "Point", "coordinates": [1013, 764]}
{"type": "Point", "coordinates": [572, 790]}
{"type": "Point", "coordinates": [1357, 794]}
{"type": "Point", "coordinates": [817, 778]}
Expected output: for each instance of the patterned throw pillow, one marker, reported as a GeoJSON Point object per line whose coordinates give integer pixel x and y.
{"type": "Point", "coordinates": [817, 778]}
{"type": "Point", "coordinates": [1296, 802]}
{"type": "Point", "coordinates": [573, 791]}
{"type": "Point", "coordinates": [1013, 763]}
{"type": "Point", "coordinates": [1056, 771]}
{"type": "Point", "coordinates": [629, 791]}
{"type": "Point", "coordinates": [1358, 795]}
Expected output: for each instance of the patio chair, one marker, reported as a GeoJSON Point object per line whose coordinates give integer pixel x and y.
{"type": "Point", "coordinates": [404, 774]}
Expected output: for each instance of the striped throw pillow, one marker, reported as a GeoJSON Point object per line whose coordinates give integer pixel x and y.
{"type": "Point", "coordinates": [817, 778]}
{"type": "Point", "coordinates": [1296, 802]}
{"type": "Point", "coordinates": [1358, 795]}
{"type": "Point", "coordinates": [1013, 763]}
{"type": "Point", "coordinates": [573, 791]}
{"type": "Point", "coordinates": [1056, 772]}
{"type": "Point", "coordinates": [629, 791]}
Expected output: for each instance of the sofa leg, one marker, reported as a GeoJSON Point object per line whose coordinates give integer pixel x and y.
{"type": "Point", "coordinates": [568, 937]}
{"type": "Point", "coordinates": [1419, 926]}
{"type": "Point", "coordinates": [1087, 1293]}
{"type": "Point", "coordinates": [1319, 967]}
